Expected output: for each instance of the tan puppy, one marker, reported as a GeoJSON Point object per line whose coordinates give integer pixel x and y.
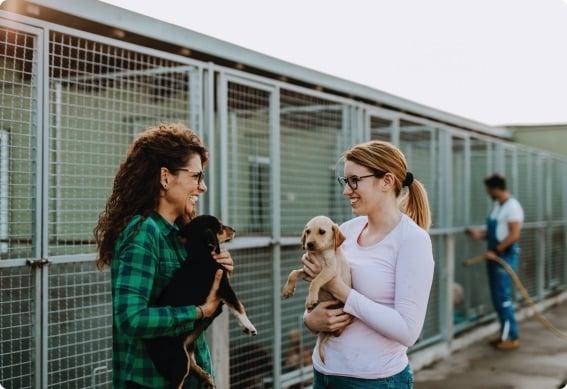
{"type": "Point", "coordinates": [322, 238]}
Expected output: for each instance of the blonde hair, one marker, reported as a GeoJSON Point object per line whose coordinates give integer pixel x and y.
{"type": "Point", "coordinates": [380, 156]}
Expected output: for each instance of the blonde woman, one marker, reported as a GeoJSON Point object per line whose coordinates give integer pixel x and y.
{"type": "Point", "coordinates": [390, 254]}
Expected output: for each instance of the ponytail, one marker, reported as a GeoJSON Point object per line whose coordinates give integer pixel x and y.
{"type": "Point", "coordinates": [415, 204]}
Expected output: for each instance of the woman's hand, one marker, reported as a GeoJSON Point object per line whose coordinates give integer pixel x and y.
{"type": "Point", "coordinates": [213, 300]}
{"type": "Point", "coordinates": [311, 266]}
{"type": "Point", "coordinates": [324, 319]}
{"type": "Point", "coordinates": [224, 258]}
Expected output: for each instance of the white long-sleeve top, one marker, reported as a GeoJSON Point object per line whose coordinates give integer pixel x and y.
{"type": "Point", "coordinates": [391, 284]}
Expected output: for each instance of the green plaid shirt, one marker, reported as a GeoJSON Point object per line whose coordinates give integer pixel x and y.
{"type": "Point", "coordinates": [146, 255]}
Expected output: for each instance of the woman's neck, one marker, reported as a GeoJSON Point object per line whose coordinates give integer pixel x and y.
{"type": "Point", "coordinates": [166, 212]}
{"type": "Point", "coordinates": [384, 217]}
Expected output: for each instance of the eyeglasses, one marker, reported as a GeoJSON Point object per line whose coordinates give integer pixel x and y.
{"type": "Point", "coordinates": [198, 175]}
{"type": "Point", "coordinates": [353, 181]}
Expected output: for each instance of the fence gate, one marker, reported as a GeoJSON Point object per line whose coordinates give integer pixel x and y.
{"type": "Point", "coordinates": [21, 91]}
{"type": "Point", "coordinates": [71, 104]}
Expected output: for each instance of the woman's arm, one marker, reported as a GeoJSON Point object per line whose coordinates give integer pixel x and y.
{"type": "Point", "coordinates": [414, 275]}
{"type": "Point", "coordinates": [134, 281]}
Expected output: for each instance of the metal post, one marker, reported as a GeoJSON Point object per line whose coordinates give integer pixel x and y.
{"type": "Point", "coordinates": [547, 173]}
{"type": "Point", "coordinates": [514, 173]}
{"type": "Point", "coordinates": [37, 123]}
{"type": "Point", "coordinates": [447, 312]}
{"type": "Point", "coordinates": [209, 108]}
{"type": "Point", "coordinates": [218, 338]}
{"type": "Point", "coordinates": [223, 112]}
{"type": "Point", "coordinates": [194, 94]}
{"type": "Point", "coordinates": [58, 147]}
{"type": "Point", "coordinates": [467, 181]}
{"type": "Point", "coordinates": [233, 125]}
{"type": "Point", "coordinates": [276, 229]}
{"type": "Point", "coordinates": [564, 219]}
{"type": "Point", "coordinates": [396, 132]}
{"type": "Point", "coordinates": [540, 233]}
{"type": "Point", "coordinates": [42, 196]}
{"type": "Point", "coordinates": [467, 219]}
{"type": "Point", "coordinates": [500, 159]}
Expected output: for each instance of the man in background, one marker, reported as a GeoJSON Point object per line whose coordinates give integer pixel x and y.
{"type": "Point", "coordinates": [502, 234]}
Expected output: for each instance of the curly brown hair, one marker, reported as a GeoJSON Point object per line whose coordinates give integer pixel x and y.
{"type": "Point", "coordinates": [136, 186]}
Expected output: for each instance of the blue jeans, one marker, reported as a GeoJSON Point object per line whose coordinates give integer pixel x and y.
{"type": "Point", "coordinates": [502, 293]}
{"type": "Point", "coordinates": [402, 380]}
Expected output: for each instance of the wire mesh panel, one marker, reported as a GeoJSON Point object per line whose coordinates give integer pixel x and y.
{"type": "Point", "coordinates": [314, 134]}
{"type": "Point", "coordinates": [16, 328]}
{"type": "Point", "coordinates": [472, 282]}
{"type": "Point", "coordinates": [529, 246]}
{"type": "Point", "coordinates": [381, 129]}
{"type": "Point", "coordinates": [80, 326]}
{"type": "Point", "coordinates": [420, 145]}
{"type": "Point", "coordinates": [480, 168]}
{"type": "Point", "coordinates": [253, 282]}
{"type": "Point", "coordinates": [555, 263]}
{"type": "Point", "coordinates": [249, 164]}
{"type": "Point", "coordinates": [510, 168]}
{"type": "Point", "coordinates": [557, 197]}
{"type": "Point", "coordinates": [297, 340]}
{"type": "Point", "coordinates": [527, 196]}
{"type": "Point", "coordinates": [459, 184]}
{"type": "Point", "coordinates": [18, 129]}
{"type": "Point", "coordinates": [432, 324]}
{"type": "Point", "coordinates": [101, 97]}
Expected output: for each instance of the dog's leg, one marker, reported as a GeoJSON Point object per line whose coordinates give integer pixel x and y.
{"type": "Point", "coordinates": [289, 287]}
{"type": "Point", "coordinates": [229, 298]}
{"type": "Point", "coordinates": [323, 338]}
{"type": "Point", "coordinates": [208, 381]}
{"type": "Point", "coordinates": [187, 344]}
{"type": "Point", "coordinates": [322, 278]}
{"type": "Point", "coordinates": [189, 349]}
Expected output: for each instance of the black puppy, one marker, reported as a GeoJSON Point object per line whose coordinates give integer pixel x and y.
{"type": "Point", "coordinates": [174, 356]}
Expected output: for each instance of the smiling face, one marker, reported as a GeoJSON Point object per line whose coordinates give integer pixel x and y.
{"type": "Point", "coordinates": [181, 188]}
{"type": "Point", "coordinates": [369, 191]}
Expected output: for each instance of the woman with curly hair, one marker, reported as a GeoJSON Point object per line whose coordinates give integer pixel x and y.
{"type": "Point", "coordinates": [156, 189]}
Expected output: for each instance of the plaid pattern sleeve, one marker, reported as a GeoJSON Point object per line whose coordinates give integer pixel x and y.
{"type": "Point", "coordinates": [146, 256]}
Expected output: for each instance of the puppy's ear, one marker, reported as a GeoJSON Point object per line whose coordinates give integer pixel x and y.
{"type": "Point", "coordinates": [303, 237]}
{"type": "Point", "coordinates": [339, 237]}
{"type": "Point", "coordinates": [212, 241]}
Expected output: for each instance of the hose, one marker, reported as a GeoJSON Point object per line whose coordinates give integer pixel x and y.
{"type": "Point", "coordinates": [542, 319]}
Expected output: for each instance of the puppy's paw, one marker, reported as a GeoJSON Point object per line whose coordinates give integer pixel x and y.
{"type": "Point", "coordinates": [311, 301]}
{"type": "Point", "coordinates": [250, 330]}
{"type": "Point", "coordinates": [288, 291]}
{"type": "Point", "coordinates": [208, 382]}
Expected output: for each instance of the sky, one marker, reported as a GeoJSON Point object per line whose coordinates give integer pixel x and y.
{"type": "Point", "coordinates": [494, 61]}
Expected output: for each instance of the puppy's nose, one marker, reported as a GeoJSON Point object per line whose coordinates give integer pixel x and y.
{"type": "Point", "coordinates": [310, 246]}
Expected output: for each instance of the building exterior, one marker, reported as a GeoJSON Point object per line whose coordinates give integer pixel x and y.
{"type": "Point", "coordinates": [81, 78]}
{"type": "Point", "coordinates": [551, 137]}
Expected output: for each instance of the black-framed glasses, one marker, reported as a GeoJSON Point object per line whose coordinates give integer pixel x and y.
{"type": "Point", "coordinates": [198, 175]}
{"type": "Point", "coordinates": [352, 181]}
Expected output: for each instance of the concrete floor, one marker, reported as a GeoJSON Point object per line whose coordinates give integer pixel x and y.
{"type": "Point", "coordinates": [540, 362]}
